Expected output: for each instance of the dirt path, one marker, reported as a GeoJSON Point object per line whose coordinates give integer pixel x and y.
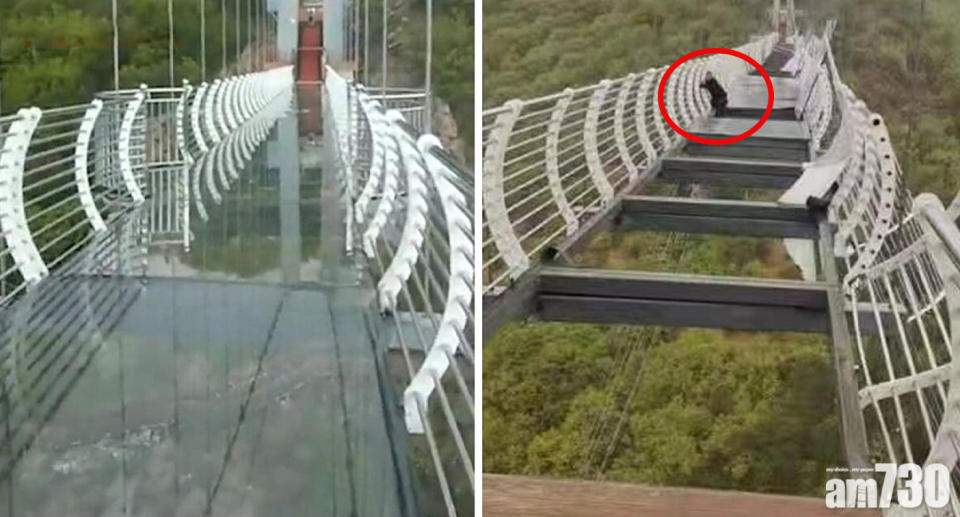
{"type": "Point", "coordinates": [519, 496]}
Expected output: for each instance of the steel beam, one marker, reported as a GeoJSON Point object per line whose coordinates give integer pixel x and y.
{"type": "Point", "coordinates": [721, 217]}
{"type": "Point", "coordinates": [628, 297]}
{"type": "Point", "coordinates": [514, 304]}
{"type": "Point", "coordinates": [852, 425]}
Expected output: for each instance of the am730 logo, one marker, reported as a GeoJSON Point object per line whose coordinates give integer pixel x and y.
{"type": "Point", "coordinates": [912, 484]}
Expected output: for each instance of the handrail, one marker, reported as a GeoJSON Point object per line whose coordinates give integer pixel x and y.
{"type": "Point", "coordinates": [552, 162]}
{"type": "Point", "coordinates": [410, 211]}
{"type": "Point", "coordinates": [77, 171]}
{"type": "Point", "coordinates": [899, 257]}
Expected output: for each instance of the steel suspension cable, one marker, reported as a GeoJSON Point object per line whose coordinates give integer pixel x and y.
{"type": "Point", "coordinates": [366, 41]}
{"type": "Point", "coordinates": [170, 30]}
{"type": "Point", "coordinates": [428, 92]}
{"type": "Point", "coordinates": [223, 37]}
{"type": "Point", "coordinates": [203, 41]}
{"type": "Point", "coordinates": [249, 59]}
{"type": "Point", "coordinates": [383, 61]}
{"type": "Point", "coordinates": [116, 49]}
{"type": "Point", "coordinates": [237, 55]}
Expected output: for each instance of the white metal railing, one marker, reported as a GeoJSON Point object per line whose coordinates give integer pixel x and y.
{"type": "Point", "coordinates": [552, 162]}
{"type": "Point", "coordinates": [411, 102]}
{"type": "Point", "coordinates": [411, 214]}
{"type": "Point", "coordinates": [74, 171]}
{"type": "Point", "coordinates": [898, 256]}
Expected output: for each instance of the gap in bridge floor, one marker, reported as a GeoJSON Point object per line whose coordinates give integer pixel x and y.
{"type": "Point", "coordinates": [749, 411]}
{"type": "Point", "coordinates": [699, 191]}
{"type": "Point", "coordinates": [667, 184]}
{"type": "Point", "coordinates": [653, 234]}
{"type": "Point", "coordinates": [703, 254]}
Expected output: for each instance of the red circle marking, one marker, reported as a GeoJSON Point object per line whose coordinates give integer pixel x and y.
{"type": "Point", "coordinates": [715, 141]}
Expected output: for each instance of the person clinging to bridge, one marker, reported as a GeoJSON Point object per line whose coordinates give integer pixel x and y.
{"type": "Point", "coordinates": [718, 96]}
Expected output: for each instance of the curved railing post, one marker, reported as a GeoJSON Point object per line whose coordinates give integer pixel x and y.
{"type": "Point", "coordinates": [591, 127]}
{"type": "Point", "coordinates": [13, 218]}
{"type": "Point", "coordinates": [640, 115]}
{"type": "Point", "coordinates": [412, 235]}
{"type": "Point", "coordinates": [459, 296]}
{"type": "Point", "coordinates": [657, 117]}
{"type": "Point", "coordinates": [670, 102]}
{"type": "Point", "coordinates": [183, 182]}
{"type": "Point", "coordinates": [212, 112]}
{"type": "Point", "coordinates": [126, 131]}
{"type": "Point", "coordinates": [196, 110]}
{"type": "Point", "coordinates": [388, 195]}
{"type": "Point", "coordinates": [494, 202]}
{"type": "Point", "coordinates": [230, 111]}
{"type": "Point", "coordinates": [81, 175]}
{"type": "Point", "coordinates": [377, 161]}
{"type": "Point", "coordinates": [883, 220]}
{"type": "Point", "coordinates": [620, 126]}
{"type": "Point", "coordinates": [681, 95]}
{"type": "Point", "coordinates": [553, 162]}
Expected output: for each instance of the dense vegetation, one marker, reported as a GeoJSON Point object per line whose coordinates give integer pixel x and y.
{"type": "Point", "coordinates": [59, 52]}
{"type": "Point", "coordinates": [900, 57]}
{"type": "Point", "coordinates": [537, 47]}
{"type": "Point", "coordinates": [707, 408]}
{"type": "Point", "coordinates": [690, 407]}
{"type": "Point", "coordinates": [452, 54]}
{"type": "Point", "coordinates": [453, 63]}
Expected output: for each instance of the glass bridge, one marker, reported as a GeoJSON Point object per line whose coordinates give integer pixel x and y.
{"type": "Point", "coordinates": [233, 367]}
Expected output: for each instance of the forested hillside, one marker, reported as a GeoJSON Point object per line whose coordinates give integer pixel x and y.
{"type": "Point", "coordinates": [901, 57]}
{"type": "Point", "coordinates": [690, 407]}
{"type": "Point", "coordinates": [536, 47]}
{"type": "Point", "coordinates": [452, 55]}
{"type": "Point", "coordinates": [59, 52]}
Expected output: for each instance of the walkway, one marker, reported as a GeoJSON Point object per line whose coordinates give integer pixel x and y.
{"type": "Point", "coordinates": [728, 190]}
{"type": "Point", "coordinates": [239, 378]}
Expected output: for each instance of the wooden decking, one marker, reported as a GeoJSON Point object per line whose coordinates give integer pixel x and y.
{"type": "Point", "coordinates": [519, 496]}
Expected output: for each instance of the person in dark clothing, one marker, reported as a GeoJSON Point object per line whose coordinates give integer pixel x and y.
{"type": "Point", "coordinates": [718, 96]}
